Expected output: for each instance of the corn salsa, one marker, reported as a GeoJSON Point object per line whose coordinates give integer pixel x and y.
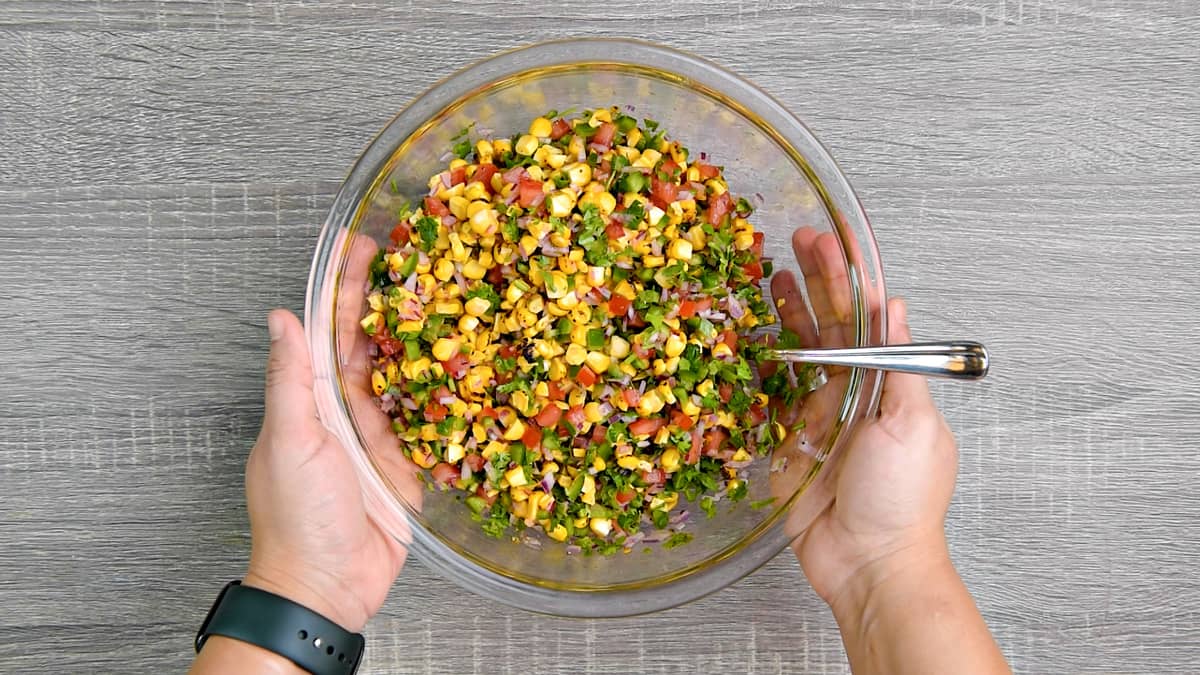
{"type": "Point", "coordinates": [560, 332]}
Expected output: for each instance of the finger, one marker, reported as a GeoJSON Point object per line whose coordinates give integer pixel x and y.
{"type": "Point", "coordinates": [289, 399]}
{"type": "Point", "coordinates": [792, 310]}
{"type": "Point", "coordinates": [804, 243]}
{"type": "Point", "coordinates": [902, 393]}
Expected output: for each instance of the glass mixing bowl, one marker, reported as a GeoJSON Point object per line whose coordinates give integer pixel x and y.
{"type": "Point", "coordinates": [767, 153]}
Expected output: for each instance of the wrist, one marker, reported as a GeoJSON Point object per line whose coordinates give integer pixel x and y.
{"type": "Point", "coordinates": [225, 654]}
{"type": "Point", "coordinates": [900, 575]}
{"type": "Point", "coordinates": [314, 592]}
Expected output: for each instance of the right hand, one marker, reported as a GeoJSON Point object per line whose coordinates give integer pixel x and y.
{"type": "Point", "coordinates": [894, 480]}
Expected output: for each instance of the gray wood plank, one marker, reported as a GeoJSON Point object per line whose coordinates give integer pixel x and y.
{"type": "Point", "coordinates": [164, 168]}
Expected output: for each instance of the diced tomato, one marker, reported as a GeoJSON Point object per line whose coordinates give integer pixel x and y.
{"type": "Point", "coordinates": [529, 193]}
{"type": "Point", "coordinates": [604, 134]}
{"type": "Point", "coordinates": [400, 233]}
{"type": "Point", "coordinates": [575, 416]}
{"type": "Point", "coordinates": [703, 304]}
{"type": "Point", "coordinates": [474, 462]}
{"type": "Point", "coordinates": [682, 420]}
{"type": "Point", "coordinates": [435, 207]}
{"type": "Point", "coordinates": [458, 175]}
{"type": "Point", "coordinates": [637, 321]}
{"type": "Point", "coordinates": [559, 129]}
{"type": "Point", "coordinates": [495, 275]}
{"type": "Point", "coordinates": [757, 415]}
{"type": "Point", "coordinates": [586, 377]}
{"type": "Point", "coordinates": [532, 437]}
{"type": "Point", "coordinates": [687, 309]}
{"type": "Point", "coordinates": [654, 477]}
{"type": "Point", "coordinates": [693, 455]}
{"type": "Point", "coordinates": [662, 192]}
{"type": "Point", "coordinates": [598, 433]}
{"type": "Point", "coordinates": [388, 344]}
{"type": "Point", "coordinates": [641, 352]}
{"type": "Point", "coordinates": [624, 496]}
{"type": "Point", "coordinates": [757, 247]}
{"type": "Point", "coordinates": [484, 174]}
{"type": "Point", "coordinates": [555, 392]}
{"type": "Point", "coordinates": [725, 391]}
{"type": "Point", "coordinates": [482, 494]}
{"type": "Point", "coordinates": [719, 207]}
{"type": "Point", "coordinates": [489, 411]}
{"type": "Point", "coordinates": [632, 396]}
{"type": "Point", "coordinates": [614, 230]}
{"type": "Point", "coordinates": [669, 167]}
{"type": "Point", "coordinates": [456, 366]}
{"type": "Point", "coordinates": [754, 271]}
{"type": "Point", "coordinates": [435, 412]}
{"type": "Point", "coordinates": [618, 305]}
{"type": "Point", "coordinates": [645, 426]}
{"type": "Point", "coordinates": [549, 416]}
{"type": "Point", "coordinates": [714, 439]}
{"type": "Point", "coordinates": [444, 474]}
{"type": "Point", "coordinates": [509, 351]}
{"type": "Point", "coordinates": [707, 171]}
{"type": "Point", "coordinates": [730, 338]}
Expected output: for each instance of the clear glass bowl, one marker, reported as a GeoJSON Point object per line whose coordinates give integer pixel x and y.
{"type": "Point", "coordinates": [765, 150]}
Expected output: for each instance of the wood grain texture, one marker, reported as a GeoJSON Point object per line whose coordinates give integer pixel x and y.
{"type": "Point", "coordinates": [164, 167]}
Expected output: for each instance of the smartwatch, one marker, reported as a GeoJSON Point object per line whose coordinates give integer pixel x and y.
{"type": "Point", "coordinates": [279, 625]}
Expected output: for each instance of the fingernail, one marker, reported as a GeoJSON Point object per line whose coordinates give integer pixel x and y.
{"type": "Point", "coordinates": [274, 326]}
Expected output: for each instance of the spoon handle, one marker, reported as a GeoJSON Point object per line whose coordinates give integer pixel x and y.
{"type": "Point", "coordinates": [959, 360]}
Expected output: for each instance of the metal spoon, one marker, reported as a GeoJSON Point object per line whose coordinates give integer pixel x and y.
{"type": "Point", "coordinates": [959, 360]}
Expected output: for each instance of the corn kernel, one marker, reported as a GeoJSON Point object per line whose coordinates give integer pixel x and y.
{"type": "Point", "coordinates": [559, 533]}
{"type": "Point", "coordinates": [674, 345]}
{"type": "Point", "coordinates": [485, 221]}
{"type": "Point", "coordinates": [680, 249]}
{"type": "Point", "coordinates": [540, 127]}
{"type": "Point", "coordinates": [423, 460]}
{"type": "Point", "coordinates": [664, 390]}
{"type": "Point", "coordinates": [670, 460]}
{"type": "Point", "coordinates": [568, 301]}
{"type": "Point", "coordinates": [516, 477]}
{"type": "Point", "coordinates": [650, 403]}
{"type": "Point", "coordinates": [515, 431]}
{"type": "Point", "coordinates": [378, 382]}
{"type": "Point", "coordinates": [579, 173]}
{"type": "Point", "coordinates": [618, 347]}
{"type": "Point", "coordinates": [451, 308]}
{"type": "Point", "coordinates": [627, 462]}
{"type": "Point", "coordinates": [588, 494]}
{"type": "Point", "coordinates": [557, 370]}
{"type": "Point", "coordinates": [671, 365]}
{"type": "Point", "coordinates": [372, 321]}
{"type": "Point", "coordinates": [484, 151]}
{"type": "Point", "coordinates": [655, 215]}
{"type": "Point", "coordinates": [601, 526]}
{"type": "Point", "coordinates": [743, 240]}
{"type": "Point", "coordinates": [633, 136]}
{"type": "Point", "coordinates": [445, 348]}
{"type": "Point", "coordinates": [600, 116]}
{"type": "Point", "coordinates": [501, 146]}
{"type": "Point", "coordinates": [592, 413]}
{"type": "Point", "coordinates": [478, 307]}
{"type": "Point", "coordinates": [740, 456]}
{"type": "Point", "coordinates": [704, 388]}
{"type": "Point", "coordinates": [561, 202]}
{"type": "Point", "coordinates": [535, 172]}
{"type": "Point", "coordinates": [527, 145]}
{"type": "Point", "coordinates": [475, 271]}
{"type": "Point", "coordinates": [653, 261]}
{"type": "Point", "coordinates": [454, 452]}
{"type": "Point", "coordinates": [722, 350]}
{"type": "Point", "coordinates": [598, 362]}
{"type": "Point", "coordinates": [528, 245]}
{"type": "Point", "coordinates": [475, 190]}
{"type": "Point", "coordinates": [576, 355]}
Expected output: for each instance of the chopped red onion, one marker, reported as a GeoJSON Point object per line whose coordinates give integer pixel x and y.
{"type": "Point", "coordinates": [683, 195]}
{"type": "Point", "coordinates": [514, 174]}
{"type": "Point", "coordinates": [547, 482]}
{"type": "Point", "coordinates": [409, 404]}
{"type": "Point", "coordinates": [410, 284]}
{"type": "Point", "coordinates": [735, 307]}
{"type": "Point", "coordinates": [449, 220]}
{"type": "Point", "coordinates": [739, 465]}
{"type": "Point", "coordinates": [445, 178]}
{"type": "Point", "coordinates": [678, 518]}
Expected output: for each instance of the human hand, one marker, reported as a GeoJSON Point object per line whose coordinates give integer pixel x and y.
{"type": "Point", "coordinates": [312, 539]}
{"type": "Point", "coordinates": [894, 480]}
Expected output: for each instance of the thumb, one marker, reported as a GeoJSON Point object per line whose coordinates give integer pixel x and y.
{"type": "Point", "coordinates": [902, 392]}
{"type": "Point", "coordinates": [289, 396]}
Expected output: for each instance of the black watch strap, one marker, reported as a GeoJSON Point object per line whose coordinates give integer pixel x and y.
{"type": "Point", "coordinates": [279, 625]}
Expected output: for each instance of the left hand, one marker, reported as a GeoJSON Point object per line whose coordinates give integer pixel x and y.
{"type": "Point", "coordinates": [312, 539]}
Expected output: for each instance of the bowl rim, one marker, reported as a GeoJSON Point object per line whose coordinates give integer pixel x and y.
{"type": "Point", "coordinates": [721, 568]}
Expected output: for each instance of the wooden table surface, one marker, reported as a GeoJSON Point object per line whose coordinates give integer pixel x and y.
{"type": "Point", "coordinates": [1030, 167]}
